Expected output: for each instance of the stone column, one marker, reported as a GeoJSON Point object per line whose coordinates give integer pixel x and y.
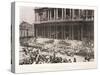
{"type": "Point", "coordinates": [62, 13]}
{"type": "Point", "coordinates": [92, 14]}
{"type": "Point", "coordinates": [86, 14]}
{"type": "Point", "coordinates": [48, 15]}
{"type": "Point", "coordinates": [35, 17]}
{"type": "Point", "coordinates": [81, 31]}
{"type": "Point", "coordinates": [79, 14]}
{"type": "Point", "coordinates": [42, 30]}
{"type": "Point", "coordinates": [72, 32]}
{"type": "Point", "coordinates": [73, 14]}
{"type": "Point", "coordinates": [56, 13]}
{"type": "Point", "coordinates": [38, 17]}
{"type": "Point", "coordinates": [64, 31]}
{"type": "Point", "coordinates": [56, 31]}
{"type": "Point", "coordinates": [50, 31]}
{"type": "Point", "coordinates": [69, 31]}
{"type": "Point", "coordinates": [70, 13]}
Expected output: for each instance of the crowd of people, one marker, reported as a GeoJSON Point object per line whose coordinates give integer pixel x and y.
{"type": "Point", "coordinates": [37, 57]}
{"type": "Point", "coordinates": [38, 54]}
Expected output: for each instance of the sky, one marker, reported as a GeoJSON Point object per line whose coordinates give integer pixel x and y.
{"type": "Point", "coordinates": [27, 14]}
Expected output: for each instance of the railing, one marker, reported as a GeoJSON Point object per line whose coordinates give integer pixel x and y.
{"type": "Point", "coordinates": [88, 18]}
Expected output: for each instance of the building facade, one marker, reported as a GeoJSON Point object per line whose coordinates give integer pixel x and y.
{"type": "Point", "coordinates": [64, 23]}
{"type": "Point", "coordinates": [26, 30]}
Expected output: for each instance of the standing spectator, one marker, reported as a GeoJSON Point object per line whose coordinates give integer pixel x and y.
{"type": "Point", "coordinates": [74, 60]}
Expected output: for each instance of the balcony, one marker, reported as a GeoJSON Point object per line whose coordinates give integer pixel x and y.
{"type": "Point", "coordinates": [64, 20]}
